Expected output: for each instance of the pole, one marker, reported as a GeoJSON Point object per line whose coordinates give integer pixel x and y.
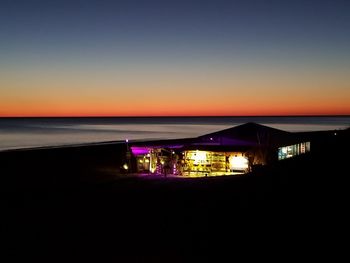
{"type": "Point", "coordinates": [128, 155]}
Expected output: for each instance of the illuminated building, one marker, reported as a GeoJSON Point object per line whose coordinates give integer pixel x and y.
{"type": "Point", "coordinates": [232, 151]}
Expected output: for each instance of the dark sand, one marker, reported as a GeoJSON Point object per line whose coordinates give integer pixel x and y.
{"type": "Point", "coordinates": [73, 204]}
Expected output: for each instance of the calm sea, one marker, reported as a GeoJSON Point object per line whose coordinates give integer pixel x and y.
{"type": "Point", "coordinates": [16, 133]}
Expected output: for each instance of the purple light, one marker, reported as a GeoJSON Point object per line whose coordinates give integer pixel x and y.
{"type": "Point", "coordinates": [169, 146]}
{"type": "Point", "coordinates": [127, 140]}
{"type": "Point", "coordinates": [139, 150]}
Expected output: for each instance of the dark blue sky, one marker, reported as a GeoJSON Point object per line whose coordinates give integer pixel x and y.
{"type": "Point", "coordinates": [65, 25]}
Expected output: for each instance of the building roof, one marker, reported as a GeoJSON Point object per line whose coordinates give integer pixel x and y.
{"type": "Point", "coordinates": [250, 134]}
{"type": "Point", "coordinates": [239, 137]}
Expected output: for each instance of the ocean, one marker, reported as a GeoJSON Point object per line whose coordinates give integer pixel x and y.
{"type": "Point", "coordinates": [18, 133]}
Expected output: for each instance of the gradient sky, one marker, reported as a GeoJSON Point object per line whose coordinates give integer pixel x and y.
{"type": "Point", "coordinates": [128, 58]}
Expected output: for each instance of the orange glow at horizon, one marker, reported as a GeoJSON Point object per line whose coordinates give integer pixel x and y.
{"type": "Point", "coordinates": [96, 110]}
{"type": "Point", "coordinates": [176, 104]}
{"type": "Point", "coordinates": [179, 93]}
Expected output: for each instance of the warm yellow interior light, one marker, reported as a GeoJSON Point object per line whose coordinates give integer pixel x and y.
{"type": "Point", "coordinates": [238, 163]}
{"type": "Point", "coordinates": [199, 157]}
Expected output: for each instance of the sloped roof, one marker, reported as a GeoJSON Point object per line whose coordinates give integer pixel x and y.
{"type": "Point", "coordinates": [251, 133]}
{"type": "Point", "coordinates": [240, 137]}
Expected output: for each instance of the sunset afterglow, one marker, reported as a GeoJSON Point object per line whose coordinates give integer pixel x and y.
{"type": "Point", "coordinates": [174, 58]}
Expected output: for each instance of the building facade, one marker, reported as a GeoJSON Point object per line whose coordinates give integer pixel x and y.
{"type": "Point", "coordinates": [228, 152]}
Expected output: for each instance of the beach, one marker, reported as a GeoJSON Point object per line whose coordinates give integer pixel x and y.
{"type": "Point", "coordinates": [73, 202]}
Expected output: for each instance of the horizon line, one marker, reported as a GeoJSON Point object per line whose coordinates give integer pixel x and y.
{"type": "Point", "coordinates": [178, 116]}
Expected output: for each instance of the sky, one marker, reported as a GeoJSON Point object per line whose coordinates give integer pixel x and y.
{"type": "Point", "coordinates": [174, 58]}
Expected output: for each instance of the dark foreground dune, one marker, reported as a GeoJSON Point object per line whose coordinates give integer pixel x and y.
{"type": "Point", "coordinates": [73, 204]}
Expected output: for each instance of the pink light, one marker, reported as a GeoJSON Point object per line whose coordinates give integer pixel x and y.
{"type": "Point", "coordinates": [139, 150]}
